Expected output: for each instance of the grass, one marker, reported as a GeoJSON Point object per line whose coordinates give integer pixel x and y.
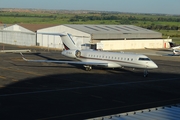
{"type": "Point", "coordinates": [63, 18]}
{"type": "Point", "coordinates": [170, 33]}
{"type": "Point", "coordinates": [176, 40]}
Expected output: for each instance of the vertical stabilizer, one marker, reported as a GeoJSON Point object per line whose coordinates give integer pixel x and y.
{"type": "Point", "coordinates": [66, 38]}
{"type": "Point", "coordinates": [68, 42]}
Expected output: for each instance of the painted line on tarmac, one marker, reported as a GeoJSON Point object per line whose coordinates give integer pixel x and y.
{"type": "Point", "coordinates": [87, 87]}
{"type": "Point", "coordinates": [2, 77]}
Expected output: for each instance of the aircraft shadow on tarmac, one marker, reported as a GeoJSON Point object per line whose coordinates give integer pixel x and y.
{"type": "Point", "coordinates": [86, 95]}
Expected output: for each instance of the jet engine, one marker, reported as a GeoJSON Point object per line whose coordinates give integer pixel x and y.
{"type": "Point", "coordinates": [72, 53]}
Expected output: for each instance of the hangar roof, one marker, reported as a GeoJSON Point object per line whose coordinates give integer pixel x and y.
{"type": "Point", "coordinates": [116, 31]}
{"type": "Point", "coordinates": [35, 27]}
{"type": "Point", "coordinates": [30, 27]}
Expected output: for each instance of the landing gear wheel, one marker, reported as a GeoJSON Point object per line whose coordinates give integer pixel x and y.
{"type": "Point", "coordinates": [145, 73]}
{"type": "Point", "coordinates": [88, 68]}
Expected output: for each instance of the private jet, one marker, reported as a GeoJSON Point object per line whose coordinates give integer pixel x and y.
{"type": "Point", "coordinates": [89, 58]}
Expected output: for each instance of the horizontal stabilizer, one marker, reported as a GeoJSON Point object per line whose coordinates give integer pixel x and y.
{"type": "Point", "coordinates": [58, 34]}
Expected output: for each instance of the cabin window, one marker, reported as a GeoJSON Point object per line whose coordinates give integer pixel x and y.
{"type": "Point", "coordinates": [131, 59]}
{"type": "Point", "coordinates": [124, 58]}
{"type": "Point", "coordinates": [128, 59]}
{"type": "Point", "coordinates": [115, 58]}
{"type": "Point", "coordinates": [121, 58]}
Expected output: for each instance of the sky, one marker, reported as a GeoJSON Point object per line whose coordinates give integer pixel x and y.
{"type": "Point", "coordinates": [133, 6]}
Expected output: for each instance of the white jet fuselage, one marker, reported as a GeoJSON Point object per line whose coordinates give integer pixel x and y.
{"type": "Point", "coordinates": [111, 59]}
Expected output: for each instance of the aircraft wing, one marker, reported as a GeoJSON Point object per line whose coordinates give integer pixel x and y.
{"type": "Point", "coordinates": [66, 62]}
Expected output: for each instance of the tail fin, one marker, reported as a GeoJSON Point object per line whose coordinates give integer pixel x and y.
{"type": "Point", "coordinates": [68, 42]}
{"type": "Point", "coordinates": [66, 39]}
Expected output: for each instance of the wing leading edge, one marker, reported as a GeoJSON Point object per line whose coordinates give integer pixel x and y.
{"type": "Point", "coordinates": [67, 62]}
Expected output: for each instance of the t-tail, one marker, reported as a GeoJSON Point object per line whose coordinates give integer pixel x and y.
{"type": "Point", "coordinates": [68, 42]}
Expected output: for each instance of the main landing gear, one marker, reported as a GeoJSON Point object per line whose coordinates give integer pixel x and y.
{"type": "Point", "coordinates": [145, 73]}
{"type": "Point", "coordinates": [88, 67]}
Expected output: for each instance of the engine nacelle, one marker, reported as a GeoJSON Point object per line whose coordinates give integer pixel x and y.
{"type": "Point", "coordinates": [71, 53]}
{"type": "Point", "coordinates": [113, 65]}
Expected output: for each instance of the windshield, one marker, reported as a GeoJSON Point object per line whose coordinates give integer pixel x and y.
{"type": "Point", "coordinates": [144, 59]}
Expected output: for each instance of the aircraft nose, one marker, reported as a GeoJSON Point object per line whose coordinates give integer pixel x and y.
{"type": "Point", "coordinates": [154, 65]}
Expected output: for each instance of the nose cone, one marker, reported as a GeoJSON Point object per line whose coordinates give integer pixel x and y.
{"type": "Point", "coordinates": [153, 65]}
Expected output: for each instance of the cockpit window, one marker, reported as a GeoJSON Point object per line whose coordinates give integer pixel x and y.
{"type": "Point", "coordinates": [144, 59]}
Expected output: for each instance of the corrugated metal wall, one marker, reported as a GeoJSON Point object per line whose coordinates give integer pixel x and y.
{"type": "Point", "coordinates": [18, 38]}
{"type": "Point", "coordinates": [18, 35]}
{"type": "Point", "coordinates": [53, 41]}
{"type": "Point", "coordinates": [50, 41]}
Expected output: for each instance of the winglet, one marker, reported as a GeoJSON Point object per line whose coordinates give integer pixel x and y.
{"type": "Point", "coordinates": [21, 54]}
{"type": "Point", "coordinates": [23, 57]}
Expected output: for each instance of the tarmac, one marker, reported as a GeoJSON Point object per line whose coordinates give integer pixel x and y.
{"type": "Point", "coordinates": [50, 91]}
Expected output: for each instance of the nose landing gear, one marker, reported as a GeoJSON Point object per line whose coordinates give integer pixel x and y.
{"type": "Point", "coordinates": [145, 73]}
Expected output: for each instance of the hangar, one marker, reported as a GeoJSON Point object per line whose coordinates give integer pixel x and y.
{"type": "Point", "coordinates": [17, 35]}
{"type": "Point", "coordinates": [106, 37]}
{"type": "Point", "coordinates": [20, 34]}
{"type": "Point", "coordinates": [110, 37]}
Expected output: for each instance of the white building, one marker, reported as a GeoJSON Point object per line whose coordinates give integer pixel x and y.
{"type": "Point", "coordinates": [112, 37]}
{"type": "Point", "coordinates": [17, 35]}
{"type": "Point", "coordinates": [107, 37]}
{"type": "Point", "coordinates": [54, 41]}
